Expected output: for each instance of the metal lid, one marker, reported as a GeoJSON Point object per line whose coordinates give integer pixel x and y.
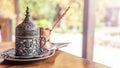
{"type": "Point", "coordinates": [27, 28]}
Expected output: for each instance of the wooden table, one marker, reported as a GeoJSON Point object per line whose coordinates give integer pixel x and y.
{"type": "Point", "coordinates": [59, 60]}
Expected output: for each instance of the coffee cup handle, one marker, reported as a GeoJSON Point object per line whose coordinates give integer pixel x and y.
{"type": "Point", "coordinates": [42, 39]}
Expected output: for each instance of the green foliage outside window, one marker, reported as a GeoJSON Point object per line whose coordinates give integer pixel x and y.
{"type": "Point", "coordinates": [42, 11]}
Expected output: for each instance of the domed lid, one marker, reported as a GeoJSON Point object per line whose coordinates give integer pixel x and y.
{"type": "Point", "coordinates": [27, 28]}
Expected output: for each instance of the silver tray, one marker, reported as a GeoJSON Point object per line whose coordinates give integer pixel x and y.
{"type": "Point", "coordinates": [10, 55]}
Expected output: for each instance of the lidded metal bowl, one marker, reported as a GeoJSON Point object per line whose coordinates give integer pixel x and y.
{"type": "Point", "coordinates": [27, 38]}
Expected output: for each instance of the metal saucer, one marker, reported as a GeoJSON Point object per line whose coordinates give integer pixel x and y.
{"type": "Point", "coordinates": [10, 55]}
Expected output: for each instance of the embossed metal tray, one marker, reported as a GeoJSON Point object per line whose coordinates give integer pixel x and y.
{"type": "Point", "coordinates": [10, 55]}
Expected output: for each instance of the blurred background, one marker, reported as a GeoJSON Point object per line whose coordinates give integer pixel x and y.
{"type": "Point", "coordinates": [44, 13]}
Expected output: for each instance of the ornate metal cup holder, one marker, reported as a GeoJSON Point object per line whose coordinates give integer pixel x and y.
{"type": "Point", "coordinates": [10, 55]}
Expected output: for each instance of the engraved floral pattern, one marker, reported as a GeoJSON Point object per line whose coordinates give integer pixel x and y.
{"type": "Point", "coordinates": [27, 47]}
